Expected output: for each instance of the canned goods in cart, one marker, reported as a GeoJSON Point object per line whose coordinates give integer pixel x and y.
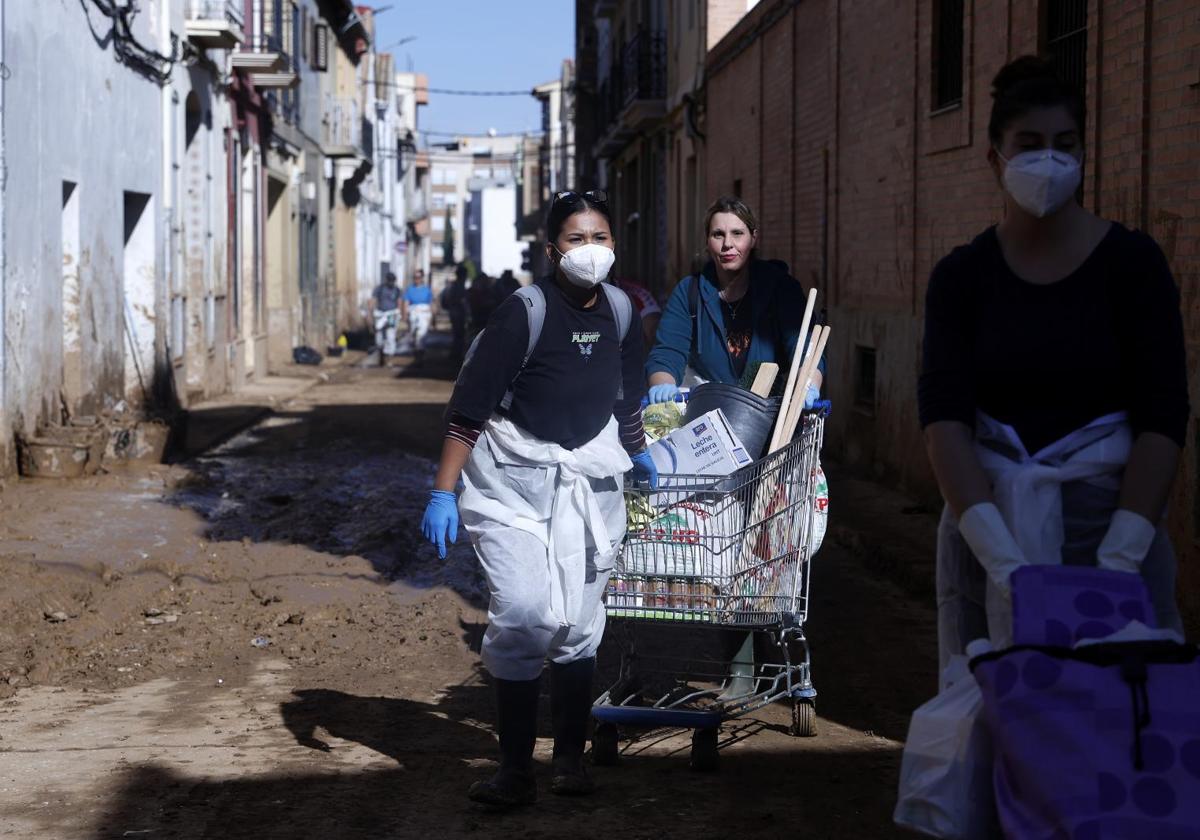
{"type": "Point", "coordinates": [656, 592]}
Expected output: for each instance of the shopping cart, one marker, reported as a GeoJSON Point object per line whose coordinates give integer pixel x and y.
{"type": "Point", "coordinates": [720, 552]}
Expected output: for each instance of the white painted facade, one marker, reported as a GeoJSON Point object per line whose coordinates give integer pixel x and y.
{"type": "Point", "coordinates": [170, 245]}
{"type": "Point", "coordinates": [380, 228]}
{"type": "Point", "coordinates": [85, 165]}
{"type": "Point", "coordinates": [500, 249]}
{"type": "Point", "coordinates": [411, 92]}
{"type": "Point", "coordinates": [451, 174]}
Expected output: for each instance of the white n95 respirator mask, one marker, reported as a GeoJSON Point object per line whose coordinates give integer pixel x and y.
{"type": "Point", "coordinates": [1041, 181]}
{"type": "Point", "coordinates": [587, 265]}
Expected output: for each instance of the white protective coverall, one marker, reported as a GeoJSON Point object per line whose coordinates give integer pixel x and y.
{"type": "Point", "coordinates": [385, 330]}
{"type": "Point", "coordinates": [1057, 504]}
{"type": "Point", "coordinates": [546, 523]}
{"type": "Point", "coordinates": [420, 316]}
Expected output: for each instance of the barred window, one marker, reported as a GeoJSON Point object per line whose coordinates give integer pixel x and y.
{"type": "Point", "coordinates": [947, 53]}
{"type": "Point", "coordinates": [320, 53]}
{"type": "Point", "coordinates": [1064, 38]}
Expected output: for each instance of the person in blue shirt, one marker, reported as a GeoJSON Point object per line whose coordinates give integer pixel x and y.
{"type": "Point", "coordinates": [417, 305]}
{"type": "Point", "coordinates": [737, 312]}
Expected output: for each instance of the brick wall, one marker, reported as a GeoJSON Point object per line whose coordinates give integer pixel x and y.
{"type": "Point", "coordinates": [822, 110]}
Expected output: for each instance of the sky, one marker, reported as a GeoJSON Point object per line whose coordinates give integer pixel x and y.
{"type": "Point", "coordinates": [479, 45]}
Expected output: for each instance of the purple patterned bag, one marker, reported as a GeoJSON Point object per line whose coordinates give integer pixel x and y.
{"type": "Point", "coordinates": [1101, 741]}
{"type": "Point", "coordinates": [1059, 605]}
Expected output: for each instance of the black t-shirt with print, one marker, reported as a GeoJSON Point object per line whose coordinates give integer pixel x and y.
{"type": "Point", "coordinates": [568, 392]}
{"type": "Point", "coordinates": [739, 330]}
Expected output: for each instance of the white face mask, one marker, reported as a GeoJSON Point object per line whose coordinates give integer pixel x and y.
{"type": "Point", "coordinates": [587, 265]}
{"type": "Point", "coordinates": [1041, 181]}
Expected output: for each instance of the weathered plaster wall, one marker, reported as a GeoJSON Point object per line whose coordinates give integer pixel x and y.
{"type": "Point", "coordinates": [73, 114]}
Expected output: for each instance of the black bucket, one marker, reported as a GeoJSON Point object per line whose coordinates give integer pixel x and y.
{"type": "Point", "coordinates": [750, 416]}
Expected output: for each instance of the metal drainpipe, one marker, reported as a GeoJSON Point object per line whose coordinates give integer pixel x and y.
{"type": "Point", "coordinates": [166, 192]}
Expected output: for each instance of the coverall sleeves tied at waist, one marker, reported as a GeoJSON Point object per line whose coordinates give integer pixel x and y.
{"type": "Point", "coordinates": [1028, 491]}
{"type": "Point", "coordinates": [546, 523]}
{"type": "Point", "coordinates": [1028, 488]}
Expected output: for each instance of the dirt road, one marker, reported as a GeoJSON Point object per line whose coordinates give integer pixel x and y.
{"type": "Point", "coordinates": [258, 644]}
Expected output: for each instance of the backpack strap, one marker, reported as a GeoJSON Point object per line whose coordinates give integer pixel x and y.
{"type": "Point", "coordinates": [535, 312]}
{"type": "Point", "coordinates": [622, 308]}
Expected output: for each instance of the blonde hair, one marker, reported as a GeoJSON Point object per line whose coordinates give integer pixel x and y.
{"type": "Point", "coordinates": [734, 205]}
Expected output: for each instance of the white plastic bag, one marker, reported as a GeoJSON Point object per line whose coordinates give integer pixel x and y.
{"type": "Point", "coordinates": [946, 771]}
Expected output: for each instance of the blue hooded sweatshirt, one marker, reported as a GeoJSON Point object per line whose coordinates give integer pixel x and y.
{"type": "Point", "coordinates": [778, 302]}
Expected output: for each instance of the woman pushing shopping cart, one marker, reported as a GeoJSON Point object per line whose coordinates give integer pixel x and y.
{"type": "Point", "coordinates": [729, 552]}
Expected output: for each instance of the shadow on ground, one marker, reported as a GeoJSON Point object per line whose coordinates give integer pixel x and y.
{"type": "Point", "coordinates": [831, 794]}
{"type": "Point", "coordinates": [347, 479]}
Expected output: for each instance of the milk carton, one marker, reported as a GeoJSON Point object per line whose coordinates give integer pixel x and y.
{"type": "Point", "coordinates": [705, 446]}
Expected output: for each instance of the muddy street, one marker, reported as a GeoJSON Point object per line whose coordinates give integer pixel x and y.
{"type": "Point", "coordinates": [258, 643]}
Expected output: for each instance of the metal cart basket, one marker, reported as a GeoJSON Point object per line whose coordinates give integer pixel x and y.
{"type": "Point", "coordinates": [730, 552]}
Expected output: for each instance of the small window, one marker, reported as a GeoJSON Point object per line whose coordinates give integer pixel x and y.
{"type": "Point", "coordinates": [864, 379]}
{"type": "Point", "coordinates": [320, 53]}
{"type": "Point", "coordinates": [947, 53]}
{"type": "Point", "coordinates": [1064, 38]}
{"type": "Point", "coordinates": [305, 34]}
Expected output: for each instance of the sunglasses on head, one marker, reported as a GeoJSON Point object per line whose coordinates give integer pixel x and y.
{"type": "Point", "coordinates": [595, 196]}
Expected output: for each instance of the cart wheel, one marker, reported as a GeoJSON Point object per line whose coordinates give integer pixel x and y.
{"type": "Point", "coordinates": [605, 751]}
{"type": "Point", "coordinates": [804, 718]}
{"type": "Point", "coordinates": [704, 750]}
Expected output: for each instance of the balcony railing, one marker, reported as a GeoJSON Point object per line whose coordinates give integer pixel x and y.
{"type": "Point", "coordinates": [271, 29]}
{"type": "Point", "coordinates": [641, 74]}
{"type": "Point", "coordinates": [273, 43]}
{"type": "Point", "coordinates": [644, 67]}
{"type": "Point", "coordinates": [343, 126]}
{"type": "Point", "coordinates": [229, 10]}
{"type": "Point", "coordinates": [215, 23]}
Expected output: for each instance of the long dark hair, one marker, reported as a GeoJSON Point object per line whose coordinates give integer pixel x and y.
{"type": "Point", "coordinates": [567, 204]}
{"type": "Point", "coordinates": [1026, 83]}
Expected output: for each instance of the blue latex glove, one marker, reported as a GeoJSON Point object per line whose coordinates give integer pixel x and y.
{"type": "Point", "coordinates": [644, 469]}
{"type": "Point", "coordinates": [441, 520]}
{"type": "Point", "coordinates": [664, 393]}
{"type": "Point", "coordinates": [811, 395]}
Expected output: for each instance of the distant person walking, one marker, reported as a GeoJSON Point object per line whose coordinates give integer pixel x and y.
{"type": "Point", "coordinates": [454, 303]}
{"type": "Point", "coordinates": [646, 306]}
{"type": "Point", "coordinates": [503, 287]}
{"type": "Point", "coordinates": [481, 301]}
{"type": "Point", "coordinates": [417, 305]}
{"type": "Point", "coordinates": [386, 311]}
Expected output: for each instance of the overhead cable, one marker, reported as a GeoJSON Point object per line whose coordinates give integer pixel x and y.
{"type": "Point", "coordinates": [447, 91]}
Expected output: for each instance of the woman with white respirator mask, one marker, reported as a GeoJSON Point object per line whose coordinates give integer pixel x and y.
{"type": "Point", "coordinates": [1053, 391]}
{"type": "Point", "coordinates": [544, 423]}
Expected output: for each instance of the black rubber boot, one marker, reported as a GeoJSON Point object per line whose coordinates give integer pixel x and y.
{"type": "Point", "coordinates": [516, 722]}
{"type": "Point", "coordinates": [570, 707]}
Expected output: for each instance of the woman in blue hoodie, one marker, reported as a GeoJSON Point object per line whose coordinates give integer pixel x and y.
{"type": "Point", "coordinates": [738, 312]}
